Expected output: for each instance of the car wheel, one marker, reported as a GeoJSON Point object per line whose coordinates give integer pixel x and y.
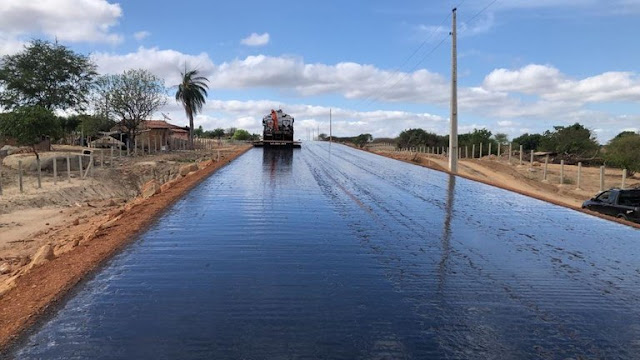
{"type": "Point", "coordinates": [622, 216]}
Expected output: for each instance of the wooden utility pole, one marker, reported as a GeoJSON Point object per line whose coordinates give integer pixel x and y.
{"type": "Point", "coordinates": [330, 129]}
{"type": "Point", "coordinates": [453, 135]}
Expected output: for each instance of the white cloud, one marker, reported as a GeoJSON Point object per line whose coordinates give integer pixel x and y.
{"type": "Point", "coordinates": [141, 35]}
{"type": "Point", "coordinates": [534, 96]}
{"type": "Point", "coordinates": [67, 20]}
{"type": "Point", "coordinates": [166, 64]}
{"type": "Point", "coordinates": [256, 40]}
{"type": "Point", "coordinates": [552, 86]}
{"type": "Point", "coordinates": [10, 45]}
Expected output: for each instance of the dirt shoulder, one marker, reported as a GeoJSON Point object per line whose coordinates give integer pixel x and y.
{"type": "Point", "coordinates": [523, 179]}
{"type": "Point", "coordinates": [75, 250]}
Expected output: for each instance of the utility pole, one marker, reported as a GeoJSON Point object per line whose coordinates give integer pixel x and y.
{"type": "Point", "coordinates": [330, 132]}
{"type": "Point", "coordinates": [453, 134]}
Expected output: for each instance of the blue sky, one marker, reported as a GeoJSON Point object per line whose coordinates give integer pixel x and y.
{"type": "Point", "coordinates": [524, 66]}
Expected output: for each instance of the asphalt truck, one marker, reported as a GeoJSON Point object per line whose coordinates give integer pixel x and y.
{"type": "Point", "coordinates": [277, 130]}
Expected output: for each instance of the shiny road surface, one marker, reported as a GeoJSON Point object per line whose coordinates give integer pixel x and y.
{"type": "Point", "coordinates": [327, 252]}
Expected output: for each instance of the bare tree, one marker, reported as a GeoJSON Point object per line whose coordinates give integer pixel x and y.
{"type": "Point", "coordinates": [130, 98]}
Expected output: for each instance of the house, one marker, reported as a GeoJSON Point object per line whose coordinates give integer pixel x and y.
{"type": "Point", "coordinates": [158, 133]}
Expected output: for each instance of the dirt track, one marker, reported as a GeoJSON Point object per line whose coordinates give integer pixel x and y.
{"type": "Point", "coordinates": [41, 287]}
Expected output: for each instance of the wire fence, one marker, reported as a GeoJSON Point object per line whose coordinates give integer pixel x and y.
{"type": "Point", "coordinates": [27, 174]}
{"type": "Point", "coordinates": [534, 166]}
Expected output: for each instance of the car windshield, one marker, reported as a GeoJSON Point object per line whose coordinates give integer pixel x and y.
{"type": "Point", "coordinates": [630, 198]}
{"type": "Point", "coordinates": [604, 197]}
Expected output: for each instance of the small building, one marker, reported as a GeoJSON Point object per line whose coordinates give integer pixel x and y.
{"type": "Point", "coordinates": [158, 133]}
{"type": "Point", "coordinates": [161, 132]}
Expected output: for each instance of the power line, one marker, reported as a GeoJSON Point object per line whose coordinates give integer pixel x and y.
{"type": "Point", "coordinates": [481, 11]}
{"type": "Point", "coordinates": [371, 98]}
{"type": "Point", "coordinates": [405, 74]}
{"type": "Point", "coordinates": [397, 70]}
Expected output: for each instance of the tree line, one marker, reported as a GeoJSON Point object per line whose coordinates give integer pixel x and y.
{"type": "Point", "coordinates": [574, 143]}
{"type": "Point", "coordinates": [230, 133]}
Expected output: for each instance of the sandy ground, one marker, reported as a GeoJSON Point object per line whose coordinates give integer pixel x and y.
{"type": "Point", "coordinates": [526, 179]}
{"type": "Point", "coordinates": [44, 215]}
{"type": "Point", "coordinates": [82, 238]}
{"type": "Point", "coordinates": [29, 219]}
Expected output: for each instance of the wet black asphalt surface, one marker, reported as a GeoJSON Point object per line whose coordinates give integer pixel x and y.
{"type": "Point", "coordinates": [327, 252]}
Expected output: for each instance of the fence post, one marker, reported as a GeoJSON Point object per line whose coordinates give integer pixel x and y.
{"type": "Point", "coordinates": [544, 172]}
{"type": "Point", "coordinates": [80, 165]}
{"type": "Point", "coordinates": [102, 158]}
{"type": "Point", "coordinates": [55, 170]}
{"type": "Point", "coordinates": [120, 147]}
{"type": "Point", "coordinates": [601, 178]}
{"type": "Point", "coordinates": [91, 164]}
{"type": "Point", "coordinates": [521, 153]}
{"type": "Point", "coordinates": [510, 148]}
{"type": "Point", "coordinates": [0, 177]}
{"type": "Point", "coordinates": [466, 151]}
{"type": "Point", "coordinates": [489, 154]}
{"type": "Point", "coordinates": [218, 158]}
{"type": "Point", "coordinates": [68, 169]}
{"type": "Point", "coordinates": [480, 157]}
{"type": "Point", "coordinates": [20, 175]}
{"type": "Point", "coordinates": [499, 148]}
{"type": "Point", "coordinates": [624, 177]}
{"type": "Point", "coordinates": [473, 151]}
{"type": "Point", "coordinates": [561, 172]}
{"type": "Point", "coordinates": [531, 163]}
{"type": "Point", "coordinates": [111, 160]}
{"type": "Point", "coordinates": [579, 175]}
{"type": "Point", "coordinates": [39, 172]}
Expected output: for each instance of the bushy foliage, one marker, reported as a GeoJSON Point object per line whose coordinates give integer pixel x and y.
{"type": "Point", "coordinates": [624, 151]}
{"type": "Point", "coordinates": [29, 125]}
{"type": "Point", "coordinates": [48, 75]}
{"type": "Point", "coordinates": [528, 141]}
{"type": "Point", "coordinates": [575, 139]}
{"type": "Point", "coordinates": [241, 134]}
{"type": "Point", "coordinates": [362, 140]}
{"type": "Point", "coordinates": [419, 137]}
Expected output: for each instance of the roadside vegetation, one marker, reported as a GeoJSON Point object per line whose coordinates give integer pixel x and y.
{"type": "Point", "coordinates": [573, 144]}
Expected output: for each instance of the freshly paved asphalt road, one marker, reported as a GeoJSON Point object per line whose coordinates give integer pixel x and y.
{"type": "Point", "coordinates": [328, 252]}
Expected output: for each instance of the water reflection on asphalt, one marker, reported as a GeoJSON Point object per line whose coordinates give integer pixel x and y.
{"type": "Point", "coordinates": [327, 252]}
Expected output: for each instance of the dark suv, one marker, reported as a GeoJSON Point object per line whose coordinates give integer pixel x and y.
{"type": "Point", "coordinates": [620, 203]}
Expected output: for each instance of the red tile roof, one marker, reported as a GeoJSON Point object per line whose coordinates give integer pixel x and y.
{"type": "Point", "coordinates": [159, 124]}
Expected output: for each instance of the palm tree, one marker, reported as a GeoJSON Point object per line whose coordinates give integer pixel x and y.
{"type": "Point", "coordinates": [192, 93]}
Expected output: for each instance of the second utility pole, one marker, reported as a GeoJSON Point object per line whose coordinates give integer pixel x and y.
{"type": "Point", "coordinates": [453, 134]}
